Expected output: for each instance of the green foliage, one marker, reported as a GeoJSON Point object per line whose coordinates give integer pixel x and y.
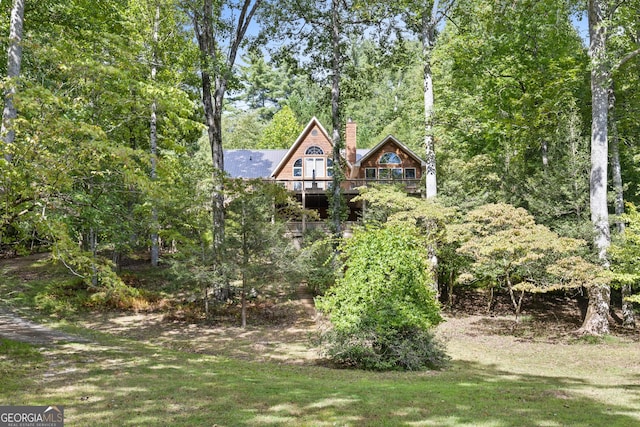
{"type": "Point", "coordinates": [318, 263]}
{"type": "Point", "coordinates": [256, 248]}
{"type": "Point", "coordinates": [382, 92]}
{"type": "Point", "coordinates": [625, 251]}
{"type": "Point", "coordinates": [391, 204]}
{"type": "Point", "coordinates": [264, 85]}
{"type": "Point", "coordinates": [508, 79]}
{"type": "Point", "coordinates": [282, 130]}
{"type": "Point", "coordinates": [507, 248]}
{"type": "Point", "coordinates": [383, 302]}
{"type": "Point", "coordinates": [242, 129]}
{"type": "Point", "coordinates": [80, 165]}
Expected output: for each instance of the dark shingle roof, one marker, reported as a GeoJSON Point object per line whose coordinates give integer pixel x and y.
{"type": "Point", "coordinates": [258, 163]}
{"type": "Point", "coordinates": [251, 163]}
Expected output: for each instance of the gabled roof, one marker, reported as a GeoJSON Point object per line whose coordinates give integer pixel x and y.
{"type": "Point", "coordinates": [251, 163]}
{"type": "Point", "coordinates": [398, 143]}
{"type": "Point", "coordinates": [313, 122]}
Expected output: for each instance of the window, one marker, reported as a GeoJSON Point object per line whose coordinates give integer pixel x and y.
{"type": "Point", "coordinates": [396, 173]}
{"type": "Point", "coordinates": [384, 173]}
{"type": "Point", "coordinates": [313, 150]}
{"type": "Point", "coordinates": [410, 173]}
{"type": "Point", "coordinates": [314, 167]}
{"type": "Point", "coordinates": [329, 166]}
{"type": "Point", "coordinates": [370, 173]}
{"type": "Point", "coordinates": [297, 168]}
{"type": "Point", "coordinates": [297, 186]}
{"type": "Point", "coordinates": [389, 159]}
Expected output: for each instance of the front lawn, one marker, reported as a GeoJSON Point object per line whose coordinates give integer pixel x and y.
{"type": "Point", "coordinates": [179, 374]}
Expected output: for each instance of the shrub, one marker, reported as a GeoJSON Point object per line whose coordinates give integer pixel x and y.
{"type": "Point", "coordinates": [411, 349]}
{"type": "Point", "coordinates": [383, 307]}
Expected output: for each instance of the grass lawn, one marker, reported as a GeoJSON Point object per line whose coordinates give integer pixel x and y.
{"type": "Point", "coordinates": [494, 380]}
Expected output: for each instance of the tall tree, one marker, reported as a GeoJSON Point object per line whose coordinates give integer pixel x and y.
{"type": "Point", "coordinates": [604, 20]}
{"type": "Point", "coordinates": [14, 60]}
{"type": "Point", "coordinates": [424, 18]}
{"type": "Point", "coordinates": [316, 34]}
{"type": "Point", "coordinates": [218, 26]}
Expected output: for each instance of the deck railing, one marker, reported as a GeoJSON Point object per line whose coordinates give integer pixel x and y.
{"type": "Point", "coordinates": [322, 184]}
{"type": "Point", "coordinates": [297, 228]}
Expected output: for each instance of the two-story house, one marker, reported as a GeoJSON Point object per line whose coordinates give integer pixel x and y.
{"type": "Point", "coordinates": [306, 168]}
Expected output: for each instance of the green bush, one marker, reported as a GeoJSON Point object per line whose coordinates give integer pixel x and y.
{"type": "Point", "coordinates": [317, 263]}
{"type": "Point", "coordinates": [410, 350]}
{"type": "Point", "coordinates": [383, 308]}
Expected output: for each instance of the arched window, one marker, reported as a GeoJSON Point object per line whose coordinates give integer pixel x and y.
{"type": "Point", "coordinates": [313, 150]}
{"type": "Point", "coordinates": [297, 167]}
{"type": "Point", "coordinates": [390, 159]}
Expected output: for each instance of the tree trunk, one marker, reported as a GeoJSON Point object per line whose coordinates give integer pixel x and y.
{"type": "Point", "coordinates": [336, 62]}
{"type": "Point", "coordinates": [628, 316]}
{"type": "Point", "coordinates": [14, 60]}
{"type": "Point", "coordinates": [427, 37]}
{"type": "Point", "coordinates": [153, 130]}
{"type": "Point", "coordinates": [245, 266]}
{"type": "Point", "coordinates": [220, 70]}
{"type": "Point", "coordinates": [204, 29]}
{"type": "Point", "coordinates": [214, 123]}
{"type": "Point", "coordinates": [596, 320]}
{"type": "Point", "coordinates": [243, 301]}
{"type": "Point", "coordinates": [616, 171]}
{"type": "Point", "coordinates": [93, 247]}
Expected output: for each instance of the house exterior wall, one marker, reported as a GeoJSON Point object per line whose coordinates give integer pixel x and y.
{"type": "Point", "coordinates": [309, 140]}
{"type": "Point", "coordinates": [372, 160]}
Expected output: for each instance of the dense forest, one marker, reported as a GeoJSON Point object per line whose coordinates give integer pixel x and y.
{"type": "Point", "coordinates": [117, 112]}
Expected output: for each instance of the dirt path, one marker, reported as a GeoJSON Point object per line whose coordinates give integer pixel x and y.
{"type": "Point", "coordinates": [16, 328]}
{"type": "Point", "coordinates": [305, 296]}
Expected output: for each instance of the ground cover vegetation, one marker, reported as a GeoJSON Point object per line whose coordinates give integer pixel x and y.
{"type": "Point", "coordinates": [135, 368]}
{"type": "Point", "coordinates": [115, 119]}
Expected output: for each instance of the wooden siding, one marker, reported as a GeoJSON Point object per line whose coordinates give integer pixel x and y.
{"type": "Point", "coordinates": [389, 147]}
{"type": "Point", "coordinates": [309, 140]}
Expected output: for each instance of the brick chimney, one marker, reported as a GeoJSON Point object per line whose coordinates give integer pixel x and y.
{"type": "Point", "coordinates": [351, 141]}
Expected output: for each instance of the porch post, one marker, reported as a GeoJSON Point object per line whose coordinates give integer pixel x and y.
{"type": "Point", "coordinates": [304, 206]}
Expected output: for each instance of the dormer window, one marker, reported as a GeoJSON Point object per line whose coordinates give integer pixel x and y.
{"type": "Point", "coordinates": [313, 150]}
{"type": "Point", "coordinates": [390, 159]}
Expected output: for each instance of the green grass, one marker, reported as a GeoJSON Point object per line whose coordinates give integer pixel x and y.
{"type": "Point", "coordinates": [19, 366]}
{"type": "Point", "coordinates": [120, 382]}
{"type": "Point", "coordinates": [493, 381]}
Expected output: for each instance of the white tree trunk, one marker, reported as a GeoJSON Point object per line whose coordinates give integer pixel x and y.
{"type": "Point", "coordinates": [14, 60]}
{"type": "Point", "coordinates": [596, 321]}
{"type": "Point", "coordinates": [428, 36]}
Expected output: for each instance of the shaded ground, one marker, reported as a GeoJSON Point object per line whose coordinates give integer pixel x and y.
{"type": "Point", "coordinates": [18, 329]}
{"type": "Point", "coordinates": [284, 331]}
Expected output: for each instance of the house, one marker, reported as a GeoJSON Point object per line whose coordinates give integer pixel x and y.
{"type": "Point", "coordinates": [306, 168]}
